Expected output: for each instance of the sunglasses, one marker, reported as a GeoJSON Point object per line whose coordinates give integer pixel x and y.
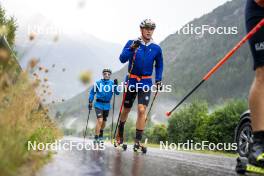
{"type": "Point", "coordinates": [149, 28]}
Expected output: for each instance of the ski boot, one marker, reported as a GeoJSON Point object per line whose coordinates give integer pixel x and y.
{"type": "Point", "coordinates": [119, 142]}
{"type": "Point", "coordinates": [100, 142]}
{"type": "Point", "coordinates": [255, 161]}
{"type": "Point", "coordinates": [139, 147]}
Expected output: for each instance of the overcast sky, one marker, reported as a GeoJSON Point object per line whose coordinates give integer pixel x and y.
{"type": "Point", "coordinates": [110, 20]}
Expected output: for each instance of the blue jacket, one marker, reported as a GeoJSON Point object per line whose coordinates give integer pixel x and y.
{"type": "Point", "coordinates": [146, 56]}
{"type": "Point", "coordinates": [104, 90]}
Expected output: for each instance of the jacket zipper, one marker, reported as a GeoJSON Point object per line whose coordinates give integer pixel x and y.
{"type": "Point", "coordinates": [143, 60]}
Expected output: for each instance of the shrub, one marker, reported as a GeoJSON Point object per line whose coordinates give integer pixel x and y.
{"type": "Point", "coordinates": [184, 123]}
{"type": "Point", "coordinates": [220, 125]}
{"type": "Point", "coordinates": [22, 120]}
{"type": "Point", "coordinates": [159, 133]}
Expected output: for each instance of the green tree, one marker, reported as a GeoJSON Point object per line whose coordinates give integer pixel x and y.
{"type": "Point", "coordinates": [9, 68]}
{"type": "Point", "coordinates": [184, 123]}
{"type": "Point", "coordinates": [159, 133]}
{"type": "Point", "coordinates": [130, 130]}
{"type": "Point", "coordinates": [7, 27]}
{"type": "Point", "coordinates": [220, 125]}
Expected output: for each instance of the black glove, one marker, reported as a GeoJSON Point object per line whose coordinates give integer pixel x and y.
{"type": "Point", "coordinates": [159, 85]}
{"type": "Point", "coordinates": [135, 44]}
{"type": "Point", "coordinates": [90, 106]}
{"type": "Point", "coordinates": [115, 82]}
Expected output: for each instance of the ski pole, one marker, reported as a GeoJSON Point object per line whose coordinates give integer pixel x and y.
{"type": "Point", "coordinates": [119, 115]}
{"type": "Point", "coordinates": [156, 93]}
{"type": "Point", "coordinates": [86, 124]}
{"type": "Point", "coordinates": [113, 119]}
{"type": "Point", "coordinates": [124, 94]}
{"type": "Point", "coordinates": [220, 63]}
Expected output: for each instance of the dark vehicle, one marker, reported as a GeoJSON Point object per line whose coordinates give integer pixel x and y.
{"type": "Point", "coordinates": [243, 134]}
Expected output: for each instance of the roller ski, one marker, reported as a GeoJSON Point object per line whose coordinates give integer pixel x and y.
{"type": "Point", "coordinates": [120, 146]}
{"type": "Point", "coordinates": [119, 143]}
{"type": "Point", "coordinates": [138, 147]}
{"type": "Point", "coordinates": [98, 142]}
{"type": "Point", "coordinates": [244, 167]}
{"type": "Point", "coordinates": [255, 161]}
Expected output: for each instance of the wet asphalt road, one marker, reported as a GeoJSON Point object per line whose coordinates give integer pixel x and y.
{"type": "Point", "coordinates": [116, 162]}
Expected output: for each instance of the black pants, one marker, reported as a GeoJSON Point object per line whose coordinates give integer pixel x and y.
{"type": "Point", "coordinates": [101, 113]}
{"type": "Point", "coordinates": [143, 97]}
{"type": "Point", "coordinates": [256, 42]}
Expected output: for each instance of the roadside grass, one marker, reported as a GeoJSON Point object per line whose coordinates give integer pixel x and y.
{"type": "Point", "coordinates": [22, 119]}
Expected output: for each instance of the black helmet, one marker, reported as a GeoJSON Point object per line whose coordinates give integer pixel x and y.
{"type": "Point", "coordinates": [107, 70]}
{"type": "Point", "coordinates": [148, 23]}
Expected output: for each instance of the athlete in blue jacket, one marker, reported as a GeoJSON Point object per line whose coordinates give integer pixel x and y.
{"type": "Point", "coordinates": [103, 89]}
{"type": "Point", "coordinates": [142, 55]}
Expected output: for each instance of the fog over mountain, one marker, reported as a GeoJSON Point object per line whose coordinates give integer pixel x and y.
{"type": "Point", "coordinates": [75, 53]}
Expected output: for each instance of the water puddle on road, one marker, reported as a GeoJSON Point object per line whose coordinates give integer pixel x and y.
{"type": "Point", "coordinates": [115, 162]}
